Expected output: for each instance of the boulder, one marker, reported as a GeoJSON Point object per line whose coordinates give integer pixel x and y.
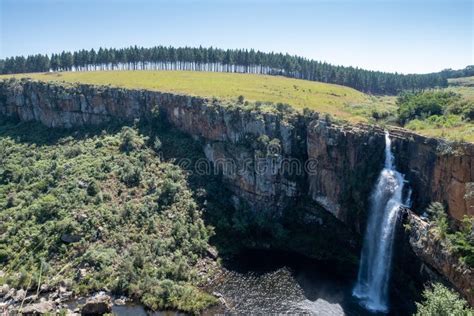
{"type": "Point", "coordinates": [212, 252]}
{"type": "Point", "coordinates": [20, 295]}
{"type": "Point", "coordinates": [10, 294]}
{"type": "Point", "coordinates": [4, 289]}
{"type": "Point", "coordinates": [97, 305]}
{"type": "Point", "coordinates": [38, 308]}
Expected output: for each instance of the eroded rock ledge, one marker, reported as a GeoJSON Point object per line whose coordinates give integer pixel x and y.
{"type": "Point", "coordinates": [437, 255]}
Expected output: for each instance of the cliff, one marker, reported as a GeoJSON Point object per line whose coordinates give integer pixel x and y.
{"type": "Point", "coordinates": [270, 159]}
{"type": "Point", "coordinates": [434, 253]}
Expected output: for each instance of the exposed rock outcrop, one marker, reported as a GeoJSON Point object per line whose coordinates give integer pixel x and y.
{"type": "Point", "coordinates": [437, 171]}
{"type": "Point", "coordinates": [433, 251]}
{"type": "Point", "coordinates": [39, 308]}
{"type": "Point", "coordinates": [97, 305]}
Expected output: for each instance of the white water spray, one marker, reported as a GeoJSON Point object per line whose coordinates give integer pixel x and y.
{"type": "Point", "coordinates": [376, 258]}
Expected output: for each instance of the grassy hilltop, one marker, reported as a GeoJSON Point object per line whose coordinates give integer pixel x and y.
{"type": "Point", "coordinates": [343, 102]}
{"type": "Point", "coordinates": [339, 101]}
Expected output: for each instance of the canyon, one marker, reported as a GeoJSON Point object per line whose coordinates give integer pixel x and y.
{"type": "Point", "coordinates": [306, 160]}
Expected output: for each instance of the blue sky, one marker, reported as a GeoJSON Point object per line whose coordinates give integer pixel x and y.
{"type": "Point", "coordinates": [409, 36]}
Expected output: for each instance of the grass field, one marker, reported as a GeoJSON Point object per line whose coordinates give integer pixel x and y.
{"type": "Point", "coordinates": [342, 102]}
{"type": "Point", "coordinates": [465, 81]}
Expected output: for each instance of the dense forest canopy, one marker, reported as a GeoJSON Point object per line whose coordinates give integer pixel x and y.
{"type": "Point", "coordinates": [238, 60]}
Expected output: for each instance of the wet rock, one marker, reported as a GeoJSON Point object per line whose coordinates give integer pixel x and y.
{"type": "Point", "coordinates": [97, 305]}
{"type": "Point", "coordinates": [120, 301]}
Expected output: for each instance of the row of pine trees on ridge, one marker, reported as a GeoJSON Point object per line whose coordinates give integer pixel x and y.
{"type": "Point", "coordinates": [219, 60]}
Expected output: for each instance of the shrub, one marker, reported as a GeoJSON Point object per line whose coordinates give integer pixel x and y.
{"type": "Point", "coordinates": [4, 255]}
{"type": "Point", "coordinates": [440, 218]}
{"type": "Point", "coordinates": [93, 188]}
{"type": "Point", "coordinates": [130, 140]}
{"type": "Point", "coordinates": [130, 175]}
{"type": "Point", "coordinates": [440, 301]}
{"type": "Point", "coordinates": [157, 144]}
{"type": "Point", "coordinates": [161, 236]}
{"type": "Point", "coordinates": [463, 241]}
{"type": "Point", "coordinates": [424, 104]}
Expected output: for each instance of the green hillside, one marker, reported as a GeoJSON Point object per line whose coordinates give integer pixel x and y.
{"type": "Point", "coordinates": [342, 102]}
{"type": "Point", "coordinates": [97, 211]}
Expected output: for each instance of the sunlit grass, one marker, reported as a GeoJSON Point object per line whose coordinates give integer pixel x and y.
{"type": "Point", "coordinates": [342, 102]}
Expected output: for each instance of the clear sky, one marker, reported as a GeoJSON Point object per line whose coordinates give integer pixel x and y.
{"type": "Point", "coordinates": [409, 36]}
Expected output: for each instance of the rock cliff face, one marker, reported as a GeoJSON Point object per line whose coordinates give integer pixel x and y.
{"type": "Point", "coordinates": [437, 171]}
{"type": "Point", "coordinates": [270, 160]}
{"type": "Point", "coordinates": [433, 252]}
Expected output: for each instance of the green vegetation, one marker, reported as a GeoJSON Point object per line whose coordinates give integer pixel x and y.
{"type": "Point", "coordinates": [441, 113]}
{"type": "Point", "coordinates": [458, 239]}
{"type": "Point", "coordinates": [218, 60]}
{"type": "Point", "coordinates": [441, 301]}
{"type": "Point", "coordinates": [99, 211]}
{"type": "Point", "coordinates": [342, 102]}
{"type": "Point", "coordinates": [463, 81]}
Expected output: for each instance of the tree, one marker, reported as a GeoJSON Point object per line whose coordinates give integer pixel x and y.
{"type": "Point", "coordinates": [439, 217]}
{"type": "Point", "coordinates": [441, 301]}
{"type": "Point", "coordinates": [238, 60]}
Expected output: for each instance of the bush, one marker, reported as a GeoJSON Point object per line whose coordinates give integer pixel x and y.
{"type": "Point", "coordinates": [131, 241]}
{"type": "Point", "coordinates": [4, 255]}
{"type": "Point", "coordinates": [157, 144]}
{"type": "Point", "coordinates": [93, 188]}
{"type": "Point", "coordinates": [130, 140]}
{"type": "Point", "coordinates": [130, 175]}
{"type": "Point", "coordinates": [422, 105]}
{"type": "Point", "coordinates": [440, 301]}
{"type": "Point", "coordinates": [463, 241]}
{"type": "Point", "coordinates": [440, 218]}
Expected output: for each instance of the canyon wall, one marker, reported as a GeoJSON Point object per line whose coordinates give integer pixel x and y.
{"type": "Point", "coordinates": [270, 159]}
{"type": "Point", "coordinates": [346, 159]}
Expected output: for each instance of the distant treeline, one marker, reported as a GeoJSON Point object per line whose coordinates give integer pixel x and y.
{"type": "Point", "coordinates": [219, 60]}
{"type": "Point", "coordinates": [466, 72]}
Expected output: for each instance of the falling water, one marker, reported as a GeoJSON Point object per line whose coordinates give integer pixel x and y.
{"type": "Point", "coordinates": [375, 264]}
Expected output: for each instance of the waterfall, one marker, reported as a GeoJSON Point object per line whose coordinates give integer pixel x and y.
{"type": "Point", "coordinates": [375, 264]}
